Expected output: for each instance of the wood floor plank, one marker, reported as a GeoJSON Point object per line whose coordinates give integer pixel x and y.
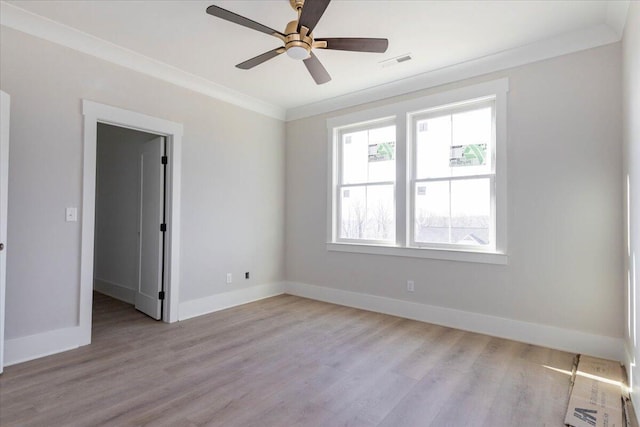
{"type": "Point", "coordinates": [438, 390]}
{"type": "Point", "coordinates": [285, 361]}
{"type": "Point", "coordinates": [478, 388]}
{"type": "Point", "coordinates": [523, 397]}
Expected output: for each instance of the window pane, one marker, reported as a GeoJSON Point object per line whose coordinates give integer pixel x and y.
{"type": "Point", "coordinates": [369, 155]}
{"type": "Point", "coordinates": [432, 213]}
{"type": "Point", "coordinates": [355, 151]}
{"type": "Point", "coordinates": [456, 144]}
{"type": "Point", "coordinates": [433, 144]}
{"type": "Point", "coordinates": [367, 212]}
{"type": "Point", "coordinates": [456, 212]}
{"type": "Point", "coordinates": [471, 211]}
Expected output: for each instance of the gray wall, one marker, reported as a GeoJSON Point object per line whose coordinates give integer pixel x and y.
{"type": "Point", "coordinates": [117, 210]}
{"type": "Point", "coordinates": [631, 119]}
{"type": "Point", "coordinates": [564, 183]}
{"type": "Point", "coordinates": [564, 207]}
{"type": "Point", "coordinates": [232, 180]}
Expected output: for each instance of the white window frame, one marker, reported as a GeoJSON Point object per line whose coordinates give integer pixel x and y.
{"type": "Point", "coordinates": [413, 117]}
{"type": "Point", "coordinates": [404, 112]}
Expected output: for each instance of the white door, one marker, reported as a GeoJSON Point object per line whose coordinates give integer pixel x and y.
{"type": "Point", "coordinates": [4, 175]}
{"type": "Point", "coordinates": [151, 240]}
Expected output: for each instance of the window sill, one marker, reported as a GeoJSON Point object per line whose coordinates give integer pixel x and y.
{"type": "Point", "coordinates": [441, 254]}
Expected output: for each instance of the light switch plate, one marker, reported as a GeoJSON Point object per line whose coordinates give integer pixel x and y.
{"type": "Point", "coordinates": [71, 214]}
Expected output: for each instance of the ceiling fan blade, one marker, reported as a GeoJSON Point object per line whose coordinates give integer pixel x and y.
{"type": "Point", "coordinates": [311, 13]}
{"type": "Point", "coordinates": [241, 20]}
{"type": "Point", "coordinates": [316, 69]}
{"type": "Point", "coordinates": [356, 44]}
{"type": "Point", "coordinates": [250, 63]}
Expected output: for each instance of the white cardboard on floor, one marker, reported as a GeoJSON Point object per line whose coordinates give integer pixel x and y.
{"type": "Point", "coordinates": [596, 397]}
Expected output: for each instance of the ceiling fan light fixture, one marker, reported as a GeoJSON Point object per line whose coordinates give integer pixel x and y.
{"type": "Point", "coordinates": [298, 52]}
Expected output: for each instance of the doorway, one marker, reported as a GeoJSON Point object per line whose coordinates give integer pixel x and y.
{"type": "Point", "coordinates": [96, 115]}
{"type": "Point", "coordinates": [130, 217]}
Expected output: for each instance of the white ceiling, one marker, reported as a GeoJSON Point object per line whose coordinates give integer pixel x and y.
{"type": "Point", "coordinates": [437, 34]}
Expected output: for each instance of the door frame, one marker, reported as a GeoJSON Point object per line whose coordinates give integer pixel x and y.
{"type": "Point", "coordinates": [4, 187]}
{"type": "Point", "coordinates": [95, 113]}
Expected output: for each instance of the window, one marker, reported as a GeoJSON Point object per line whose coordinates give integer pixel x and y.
{"type": "Point", "coordinates": [453, 180]}
{"type": "Point", "coordinates": [366, 183]}
{"type": "Point", "coordinates": [422, 178]}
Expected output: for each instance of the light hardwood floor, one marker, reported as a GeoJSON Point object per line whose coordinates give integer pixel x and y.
{"type": "Point", "coordinates": [286, 361]}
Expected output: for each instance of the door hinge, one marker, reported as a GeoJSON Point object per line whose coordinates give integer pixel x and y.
{"type": "Point", "coordinates": [161, 295]}
{"type": "Point", "coordinates": [165, 160]}
{"type": "Point", "coordinates": [163, 227]}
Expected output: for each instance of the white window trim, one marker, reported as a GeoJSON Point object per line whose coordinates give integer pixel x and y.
{"type": "Point", "coordinates": [402, 111]}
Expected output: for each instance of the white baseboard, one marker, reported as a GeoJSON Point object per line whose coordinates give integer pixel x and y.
{"type": "Point", "coordinates": [531, 333]}
{"type": "Point", "coordinates": [198, 307]}
{"type": "Point", "coordinates": [115, 290]}
{"type": "Point", "coordinates": [23, 349]}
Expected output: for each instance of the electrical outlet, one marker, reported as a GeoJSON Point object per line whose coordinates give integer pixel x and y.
{"type": "Point", "coordinates": [411, 286]}
{"type": "Point", "coordinates": [246, 275]}
{"type": "Point", "coordinates": [229, 278]}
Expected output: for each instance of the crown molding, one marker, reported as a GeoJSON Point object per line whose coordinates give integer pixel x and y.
{"type": "Point", "coordinates": [617, 12]}
{"type": "Point", "coordinates": [19, 19]}
{"type": "Point", "coordinates": [47, 29]}
{"type": "Point", "coordinates": [564, 44]}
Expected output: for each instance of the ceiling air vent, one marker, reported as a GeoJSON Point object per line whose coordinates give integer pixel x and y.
{"type": "Point", "coordinates": [395, 61]}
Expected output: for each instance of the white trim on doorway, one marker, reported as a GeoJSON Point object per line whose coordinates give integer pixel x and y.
{"type": "Point", "coordinates": [5, 102]}
{"type": "Point", "coordinates": [95, 113]}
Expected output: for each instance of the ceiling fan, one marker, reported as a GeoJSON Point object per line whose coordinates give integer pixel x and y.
{"type": "Point", "coordinates": [298, 38]}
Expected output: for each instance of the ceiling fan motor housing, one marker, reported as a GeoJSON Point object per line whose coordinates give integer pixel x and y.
{"type": "Point", "coordinates": [301, 39]}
